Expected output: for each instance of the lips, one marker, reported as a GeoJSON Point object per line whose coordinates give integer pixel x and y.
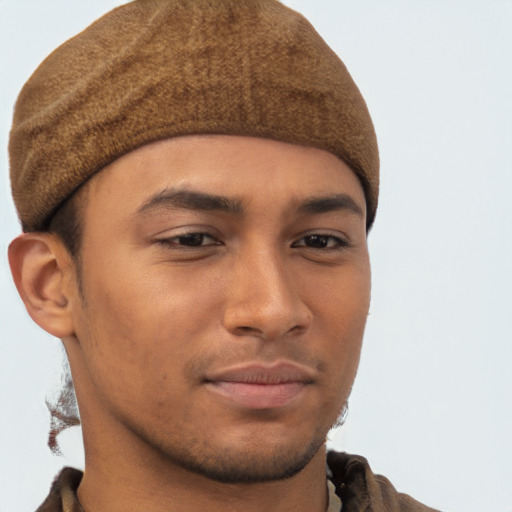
{"type": "Point", "coordinates": [262, 386]}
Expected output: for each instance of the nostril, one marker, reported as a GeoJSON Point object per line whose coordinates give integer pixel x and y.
{"type": "Point", "coordinates": [246, 329]}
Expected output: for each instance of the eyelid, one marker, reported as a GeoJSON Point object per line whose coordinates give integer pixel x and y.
{"type": "Point", "coordinates": [342, 240]}
{"type": "Point", "coordinates": [171, 239]}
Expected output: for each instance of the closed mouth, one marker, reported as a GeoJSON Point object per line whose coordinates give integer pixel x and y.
{"type": "Point", "coordinates": [261, 386]}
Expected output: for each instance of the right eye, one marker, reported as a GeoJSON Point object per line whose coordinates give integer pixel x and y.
{"type": "Point", "coordinates": [192, 240]}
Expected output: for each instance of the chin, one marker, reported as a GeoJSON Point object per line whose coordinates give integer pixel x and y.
{"type": "Point", "coordinates": [249, 466]}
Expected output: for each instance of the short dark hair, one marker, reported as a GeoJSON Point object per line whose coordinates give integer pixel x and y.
{"type": "Point", "coordinates": [67, 224]}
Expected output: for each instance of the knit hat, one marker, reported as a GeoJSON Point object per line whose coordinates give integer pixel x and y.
{"type": "Point", "coordinates": [154, 69]}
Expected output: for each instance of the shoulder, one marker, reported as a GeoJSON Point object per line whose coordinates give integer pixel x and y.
{"type": "Point", "coordinates": [361, 490]}
{"type": "Point", "coordinates": [62, 497]}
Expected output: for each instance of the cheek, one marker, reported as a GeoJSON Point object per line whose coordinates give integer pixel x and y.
{"type": "Point", "coordinates": [139, 322]}
{"type": "Point", "coordinates": [341, 308]}
{"type": "Point", "coordinates": [341, 298]}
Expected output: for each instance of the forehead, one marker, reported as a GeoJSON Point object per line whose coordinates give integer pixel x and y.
{"type": "Point", "coordinates": [245, 168]}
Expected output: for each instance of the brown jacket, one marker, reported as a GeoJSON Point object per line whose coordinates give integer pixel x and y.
{"type": "Point", "coordinates": [358, 488]}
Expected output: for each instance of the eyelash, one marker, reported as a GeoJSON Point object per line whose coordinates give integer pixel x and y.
{"type": "Point", "coordinates": [327, 242]}
{"type": "Point", "coordinates": [339, 243]}
{"type": "Point", "coordinates": [175, 240]}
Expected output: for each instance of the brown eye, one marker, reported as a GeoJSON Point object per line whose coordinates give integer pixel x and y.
{"type": "Point", "coordinates": [191, 240]}
{"type": "Point", "coordinates": [318, 241]}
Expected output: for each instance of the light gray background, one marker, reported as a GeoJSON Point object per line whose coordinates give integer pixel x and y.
{"type": "Point", "coordinates": [431, 408]}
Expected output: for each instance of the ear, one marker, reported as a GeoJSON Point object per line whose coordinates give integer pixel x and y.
{"type": "Point", "coordinates": [40, 266]}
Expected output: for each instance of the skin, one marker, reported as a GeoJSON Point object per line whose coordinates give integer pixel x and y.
{"type": "Point", "coordinates": [175, 291]}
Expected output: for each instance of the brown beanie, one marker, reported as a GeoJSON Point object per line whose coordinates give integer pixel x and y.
{"type": "Point", "coordinates": [154, 69]}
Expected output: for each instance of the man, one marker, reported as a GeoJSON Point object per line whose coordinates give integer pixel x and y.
{"type": "Point", "coordinates": [196, 181]}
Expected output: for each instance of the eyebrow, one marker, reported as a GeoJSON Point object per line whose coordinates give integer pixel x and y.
{"type": "Point", "coordinates": [169, 199]}
{"type": "Point", "coordinates": [318, 205]}
{"type": "Point", "coordinates": [192, 200]}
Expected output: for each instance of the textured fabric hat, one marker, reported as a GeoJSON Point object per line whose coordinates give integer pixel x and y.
{"type": "Point", "coordinates": [154, 69]}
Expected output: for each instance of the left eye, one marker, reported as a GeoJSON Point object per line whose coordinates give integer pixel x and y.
{"type": "Point", "coordinates": [190, 240]}
{"type": "Point", "coordinates": [320, 242]}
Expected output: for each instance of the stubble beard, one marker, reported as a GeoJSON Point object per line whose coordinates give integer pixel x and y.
{"type": "Point", "coordinates": [234, 467]}
{"type": "Point", "coordinates": [251, 465]}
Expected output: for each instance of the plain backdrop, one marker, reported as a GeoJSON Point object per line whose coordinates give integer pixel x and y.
{"type": "Point", "coordinates": [431, 407]}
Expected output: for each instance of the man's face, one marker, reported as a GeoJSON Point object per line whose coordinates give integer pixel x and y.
{"type": "Point", "coordinates": [224, 292]}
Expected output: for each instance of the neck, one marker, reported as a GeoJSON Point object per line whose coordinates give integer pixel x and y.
{"type": "Point", "coordinates": [118, 481]}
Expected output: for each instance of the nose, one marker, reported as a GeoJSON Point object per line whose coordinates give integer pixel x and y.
{"type": "Point", "coordinates": [263, 298]}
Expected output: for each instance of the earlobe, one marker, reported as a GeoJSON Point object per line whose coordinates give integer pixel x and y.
{"type": "Point", "coordinates": [38, 264]}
